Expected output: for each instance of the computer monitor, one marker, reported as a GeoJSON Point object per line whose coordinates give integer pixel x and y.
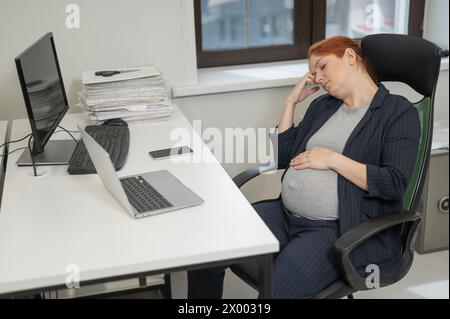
{"type": "Point", "coordinates": [45, 101]}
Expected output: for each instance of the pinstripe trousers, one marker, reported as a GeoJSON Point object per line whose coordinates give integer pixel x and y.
{"type": "Point", "coordinates": [302, 268]}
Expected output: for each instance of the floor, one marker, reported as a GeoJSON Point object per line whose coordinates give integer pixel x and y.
{"type": "Point", "coordinates": [427, 279]}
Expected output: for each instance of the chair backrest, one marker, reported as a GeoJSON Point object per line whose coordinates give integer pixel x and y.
{"type": "Point", "coordinates": [416, 62]}
{"type": "Point", "coordinates": [412, 196]}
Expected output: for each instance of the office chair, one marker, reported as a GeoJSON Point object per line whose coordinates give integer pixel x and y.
{"type": "Point", "coordinates": [398, 58]}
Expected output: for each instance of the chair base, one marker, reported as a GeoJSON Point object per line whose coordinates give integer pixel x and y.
{"type": "Point", "coordinates": [248, 272]}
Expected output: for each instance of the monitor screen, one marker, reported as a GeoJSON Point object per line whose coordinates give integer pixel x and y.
{"type": "Point", "coordinates": [42, 88]}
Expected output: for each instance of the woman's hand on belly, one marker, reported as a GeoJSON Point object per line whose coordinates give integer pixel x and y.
{"type": "Point", "coordinates": [325, 159]}
{"type": "Point", "coordinates": [317, 158]}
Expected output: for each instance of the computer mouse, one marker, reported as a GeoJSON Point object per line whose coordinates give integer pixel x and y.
{"type": "Point", "coordinates": [115, 122]}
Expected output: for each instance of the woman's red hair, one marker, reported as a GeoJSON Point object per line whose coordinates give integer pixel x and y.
{"type": "Point", "coordinates": [337, 46]}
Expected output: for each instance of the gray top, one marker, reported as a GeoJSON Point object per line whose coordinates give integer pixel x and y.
{"type": "Point", "coordinates": [312, 193]}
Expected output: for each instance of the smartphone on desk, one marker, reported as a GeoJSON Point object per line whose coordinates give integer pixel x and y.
{"type": "Point", "coordinates": [169, 152]}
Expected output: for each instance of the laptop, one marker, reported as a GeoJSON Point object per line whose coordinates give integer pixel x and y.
{"type": "Point", "coordinates": [141, 195]}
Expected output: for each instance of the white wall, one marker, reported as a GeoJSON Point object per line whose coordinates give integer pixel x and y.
{"type": "Point", "coordinates": [436, 22]}
{"type": "Point", "coordinates": [113, 34]}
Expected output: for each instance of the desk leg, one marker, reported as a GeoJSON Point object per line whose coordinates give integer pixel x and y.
{"type": "Point", "coordinates": [143, 282]}
{"type": "Point", "coordinates": [167, 286]}
{"type": "Point", "coordinates": [265, 277]}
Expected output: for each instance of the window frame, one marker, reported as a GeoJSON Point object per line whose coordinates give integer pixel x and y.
{"type": "Point", "coordinates": [309, 27]}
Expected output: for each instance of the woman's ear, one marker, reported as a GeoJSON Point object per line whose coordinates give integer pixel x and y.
{"type": "Point", "coordinates": [350, 55]}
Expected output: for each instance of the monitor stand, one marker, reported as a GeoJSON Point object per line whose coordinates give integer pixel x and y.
{"type": "Point", "coordinates": [56, 152]}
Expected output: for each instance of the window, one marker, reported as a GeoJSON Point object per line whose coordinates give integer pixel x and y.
{"type": "Point", "coordinates": [231, 32]}
{"type": "Point", "coordinates": [359, 18]}
{"type": "Point", "coordinates": [249, 31]}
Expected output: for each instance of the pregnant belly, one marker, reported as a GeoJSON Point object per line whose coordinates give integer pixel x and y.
{"type": "Point", "coordinates": [311, 193]}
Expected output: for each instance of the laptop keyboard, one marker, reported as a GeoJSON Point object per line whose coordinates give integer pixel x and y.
{"type": "Point", "coordinates": [142, 195]}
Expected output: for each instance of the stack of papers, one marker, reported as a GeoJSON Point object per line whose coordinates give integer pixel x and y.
{"type": "Point", "coordinates": [135, 95]}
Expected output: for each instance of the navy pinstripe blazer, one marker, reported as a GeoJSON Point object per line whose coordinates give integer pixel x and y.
{"type": "Point", "coordinates": [386, 140]}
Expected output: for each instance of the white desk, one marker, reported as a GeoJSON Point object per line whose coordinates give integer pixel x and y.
{"type": "Point", "coordinates": [58, 220]}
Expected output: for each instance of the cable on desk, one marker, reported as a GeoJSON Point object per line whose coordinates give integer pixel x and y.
{"type": "Point", "coordinates": [28, 135]}
{"type": "Point", "coordinates": [21, 148]}
{"type": "Point", "coordinates": [32, 156]}
{"type": "Point", "coordinates": [69, 132]}
{"type": "Point", "coordinates": [10, 142]}
{"type": "Point", "coordinates": [18, 149]}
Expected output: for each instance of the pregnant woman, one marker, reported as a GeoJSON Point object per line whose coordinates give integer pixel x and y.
{"type": "Point", "coordinates": [349, 160]}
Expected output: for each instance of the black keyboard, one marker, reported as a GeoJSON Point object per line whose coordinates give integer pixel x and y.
{"type": "Point", "coordinates": [114, 139]}
{"type": "Point", "coordinates": [142, 195]}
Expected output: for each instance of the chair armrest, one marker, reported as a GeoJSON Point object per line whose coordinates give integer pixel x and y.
{"type": "Point", "coordinates": [345, 244]}
{"type": "Point", "coordinates": [252, 172]}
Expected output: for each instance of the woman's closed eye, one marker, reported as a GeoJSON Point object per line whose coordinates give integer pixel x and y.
{"type": "Point", "coordinates": [322, 67]}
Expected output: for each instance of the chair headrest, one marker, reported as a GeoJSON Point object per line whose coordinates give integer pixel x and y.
{"type": "Point", "coordinates": [403, 58]}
